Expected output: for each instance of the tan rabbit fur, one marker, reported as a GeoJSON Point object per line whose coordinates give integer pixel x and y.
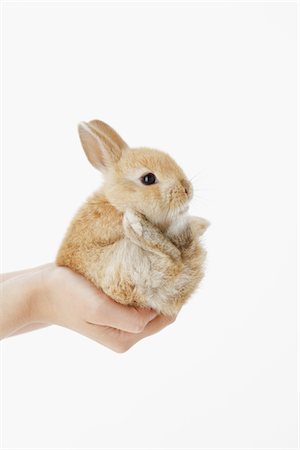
{"type": "Point", "coordinates": [133, 240]}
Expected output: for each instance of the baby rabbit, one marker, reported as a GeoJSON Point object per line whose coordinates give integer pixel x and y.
{"type": "Point", "coordinates": [133, 238]}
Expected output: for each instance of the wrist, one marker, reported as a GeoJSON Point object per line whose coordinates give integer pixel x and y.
{"type": "Point", "coordinates": [16, 303]}
{"type": "Point", "coordinates": [40, 299]}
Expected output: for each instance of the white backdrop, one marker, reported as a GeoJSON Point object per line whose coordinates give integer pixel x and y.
{"type": "Point", "coordinates": [216, 86]}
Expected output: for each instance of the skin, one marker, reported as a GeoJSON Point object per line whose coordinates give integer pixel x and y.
{"type": "Point", "coordinates": [49, 294]}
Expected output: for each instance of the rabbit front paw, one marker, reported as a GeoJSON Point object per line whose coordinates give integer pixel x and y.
{"type": "Point", "coordinates": [146, 235]}
{"type": "Point", "coordinates": [132, 222]}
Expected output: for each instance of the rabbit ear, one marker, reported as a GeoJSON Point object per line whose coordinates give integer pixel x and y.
{"type": "Point", "coordinates": [102, 145]}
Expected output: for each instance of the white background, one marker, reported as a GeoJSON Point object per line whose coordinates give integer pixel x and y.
{"type": "Point", "coordinates": [216, 86]}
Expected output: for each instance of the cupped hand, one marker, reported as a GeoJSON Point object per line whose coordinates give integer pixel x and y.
{"type": "Point", "coordinates": [62, 297]}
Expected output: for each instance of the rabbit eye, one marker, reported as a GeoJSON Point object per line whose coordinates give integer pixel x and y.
{"type": "Point", "coordinates": [148, 179]}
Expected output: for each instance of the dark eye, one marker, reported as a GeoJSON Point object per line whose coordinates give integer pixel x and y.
{"type": "Point", "coordinates": [148, 179]}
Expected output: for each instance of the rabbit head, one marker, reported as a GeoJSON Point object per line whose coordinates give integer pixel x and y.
{"type": "Point", "coordinates": [142, 179]}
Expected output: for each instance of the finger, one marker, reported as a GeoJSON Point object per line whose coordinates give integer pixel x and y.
{"type": "Point", "coordinates": [126, 340]}
{"type": "Point", "coordinates": [121, 341]}
{"type": "Point", "coordinates": [102, 335]}
{"type": "Point", "coordinates": [152, 327]}
{"type": "Point", "coordinates": [117, 340]}
{"type": "Point", "coordinates": [127, 318]}
{"type": "Point", "coordinates": [156, 325]}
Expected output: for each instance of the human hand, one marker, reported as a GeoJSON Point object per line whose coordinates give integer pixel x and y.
{"type": "Point", "coordinates": [57, 295]}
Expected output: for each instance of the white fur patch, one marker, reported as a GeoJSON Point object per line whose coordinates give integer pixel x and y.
{"type": "Point", "coordinates": [132, 220]}
{"type": "Point", "coordinates": [178, 225]}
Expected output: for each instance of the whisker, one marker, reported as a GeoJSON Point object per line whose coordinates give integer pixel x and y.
{"type": "Point", "coordinates": [202, 190]}
{"type": "Point", "coordinates": [194, 177]}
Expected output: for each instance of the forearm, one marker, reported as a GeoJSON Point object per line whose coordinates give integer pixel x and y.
{"type": "Point", "coordinates": [9, 275]}
{"type": "Point", "coordinates": [30, 327]}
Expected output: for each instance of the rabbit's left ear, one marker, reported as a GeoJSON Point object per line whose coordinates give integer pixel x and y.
{"type": "Point", "coordinates": [102, 145]}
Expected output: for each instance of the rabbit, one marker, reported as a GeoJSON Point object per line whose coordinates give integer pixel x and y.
{"type": "Point", "coordinates": [133, 238]}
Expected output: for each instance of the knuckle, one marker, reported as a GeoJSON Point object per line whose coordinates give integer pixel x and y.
{"type": "Point", "coordinates": [122, 347]}
{"type": "Point", "coordinates": [138, 325]}
{"type": "Point", "coordinates": [125, 342]}
{"type": "Point", "coordinates": [171, 319]}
